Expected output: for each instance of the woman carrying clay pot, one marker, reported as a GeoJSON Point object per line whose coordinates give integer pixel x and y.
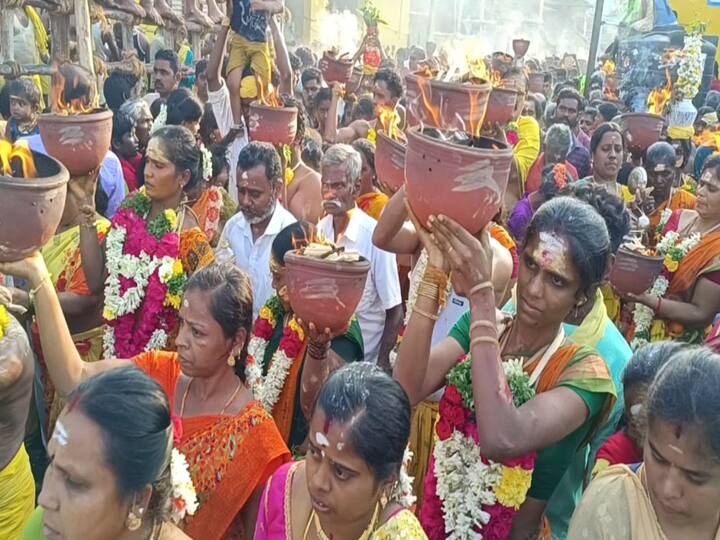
{"type": "Point", "coordinates": [548, 396]}
{"type": "Point", "coordinates": [231, 444]}
{"type": "Point", "coordinates": [143, 292]}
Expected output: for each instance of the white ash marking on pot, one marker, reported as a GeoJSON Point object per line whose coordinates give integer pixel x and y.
{"type": "Point", "coordinates": [321, 289]}
{"type": "Point", "coordinates": [74, 136]}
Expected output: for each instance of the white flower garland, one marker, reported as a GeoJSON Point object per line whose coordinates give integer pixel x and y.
{"type": "Point", "coordinates": [464, 484]}
{"type": "Point", "coordinates": [403, 490]}
{"type": "Point", "coordinates": [690, 69]}
{"type": "Point", "coordinates": [184, 496]}
{"type": "Point", "coordinates": [643, 316]}
{"type": "Point", "coordinates": [161, 119]}
{"type": "Point", "coordinates": [206, 163]}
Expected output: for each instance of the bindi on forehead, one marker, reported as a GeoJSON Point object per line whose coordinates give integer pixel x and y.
{"type": "Point", "coordinates": [552, 253]}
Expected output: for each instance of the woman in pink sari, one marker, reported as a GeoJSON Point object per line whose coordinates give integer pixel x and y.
{"type": "Point", "coordinates": [351, 484]}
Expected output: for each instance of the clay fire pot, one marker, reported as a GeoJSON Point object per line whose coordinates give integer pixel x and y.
{"type": "Point", "coordinates": [501, 106]}
{"type": "Point", "coordinates": [536, 83]}
{"type": "Point", "coordinates": [30, 209]}
{"type": "Point", "coordinates": [390, 161]}
{"type": "Point", "coordinates": [633, 272]}
{"type": "Point", "coordinates": [459, 106]}
{"type": "Point", "coordinates": [80, 142]}
{"type": "Point", "coordinates": [464, 183]}
{"type": "Point", "coordinates": [336, 69]}
{"type": "Point", "coordinates": [642, 130]}
{"type": "Point", "coordinates": [325, 293]}
{"type": "Point", "coordinates": [520, 47]}
{"type": "Point", "coordinates": [274, 125]}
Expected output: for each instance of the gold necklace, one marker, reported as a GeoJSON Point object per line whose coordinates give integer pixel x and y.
{"type": "Point", "coordinates": [222, 412]}
{"type": "Point", "coordinates": [315, 520]}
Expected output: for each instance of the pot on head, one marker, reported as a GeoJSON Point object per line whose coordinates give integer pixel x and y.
{"type": "Point", "coordinates": [31, 208]}
{"type": "Point", "coordinates": [274, 125]}
{"type": "Point", "coordinates": [466, 184]}
{"type": "Point", "coordinates": [501, 106]}
{"type": "Point", "coordinates": [642, 130]}
{"type": "Point", "coordinates": [80, 141]}
{"type": "Point", "coordinates": [520, 47]}
{"type": "Point", "coordinates": [336, 69]}
{"type": "Point", "coordinates": [325, 293]}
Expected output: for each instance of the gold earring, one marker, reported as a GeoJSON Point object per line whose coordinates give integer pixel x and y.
{"type": "Point", "coordinates": [231, 360]}
{"type": "Point", "coordinates": [133, 522]}
{"type": "Point", "coordinates": [383, 500]}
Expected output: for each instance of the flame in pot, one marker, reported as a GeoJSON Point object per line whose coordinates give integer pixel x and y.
{"type": "Point", "coordinates": [659, 98]}
{"type": "Point", "coordinates": [476, 119]}
{"type": "Point", "coordinates": [426, 93]}
{"type": "Point", "coordinates": [608, 67]}
{"type": "Point", "coordinates": [496, 79]}
{"type": "Point", "coordinates": [17, 160]}
{"type": "Point", "coordinates": [271, 98]}
{"type": "Point", "coordinates": [76, 106]}
{"type": "Point", "coordinates": [390, 121]}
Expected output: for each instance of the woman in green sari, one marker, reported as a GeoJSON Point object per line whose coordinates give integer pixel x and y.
{"type": "Point", "coordinates": [290, 359]}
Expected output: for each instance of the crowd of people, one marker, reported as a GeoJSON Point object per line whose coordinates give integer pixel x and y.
{"type": "Point", "coordinates": [157, 382]}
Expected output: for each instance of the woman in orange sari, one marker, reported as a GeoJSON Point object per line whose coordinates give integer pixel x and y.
{"type": "Point", "coordinates": [371, 200]}
{"type": "Point", "coordinates": [685, 298]}
{"type": "Point", "coordinates": [230, 443]}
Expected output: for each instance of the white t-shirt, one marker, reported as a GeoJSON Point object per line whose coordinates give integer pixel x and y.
{"type": "Point", "coordinates": [236, 244]}
{"type": "Point", "coordinates": [382, 288]}
{"type": "Point", "coordinates": [220, 101]}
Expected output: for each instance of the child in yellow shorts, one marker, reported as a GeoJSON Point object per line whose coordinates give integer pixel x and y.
{"type": "Point", "coordinates": [250, 46]}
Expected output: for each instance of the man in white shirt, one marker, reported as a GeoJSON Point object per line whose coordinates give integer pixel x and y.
{"type": "Point", "coordinates": [379, 312]}
{"type": "Point", "coordinates": [248, 236]}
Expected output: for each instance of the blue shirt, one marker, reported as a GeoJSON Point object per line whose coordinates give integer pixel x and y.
{"type": "Point", "coordinates": [252, 25]}
{"type": "Point", "coordinates": [111, 175]}
{"type": "Point", "coordinates": [579, 156]}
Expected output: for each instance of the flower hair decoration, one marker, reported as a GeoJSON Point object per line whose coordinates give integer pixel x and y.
{"type": "Point", "coordinates": [560, 174]}
{"type": "Point", "coordinates": [206, 163]}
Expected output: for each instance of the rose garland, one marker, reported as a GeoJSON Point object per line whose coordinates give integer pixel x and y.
{"type": "Point", "coordinates": [267, 389]}
{"type": "Point", "coordinates": [674, 252]}
{"type": "Point", "coordinates": [467, 495]}
{"type": "Point", "coordinates": [212, 217]}
{"type": "Point", "coordinates": [145, 279]}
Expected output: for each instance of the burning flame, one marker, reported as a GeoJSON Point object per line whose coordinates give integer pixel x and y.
{"type": "Point", "coordinates": [299, 243]}
{"type": "Point", "coordinates": [476, 119]}
{"type": "Point", "coordinates": [658, 99]}
{"type": "Point", "coordinates": [478, 69]}
{"type": "Point", "coordinates": [16, 160]}
{"type": "Point", "coordinates": [496, 78]}
{"type": "Point", "coordinates": [426, 93]}
{"type": "Point", "coordinates": [272, 98]}
{"type": "Point", "coordinates": [76, 106]}
{"type": "Point", "coordinates": [608, 67]}
{"type": "Point", "coordinates": [390, 121]}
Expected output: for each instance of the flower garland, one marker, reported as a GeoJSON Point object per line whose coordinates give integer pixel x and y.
{"type": "Point", "coordinates": [185, 500]}
{"type": "Point", "coordinates": [207, 170]}
{"type": "Point", "coordinates": [161, 119]}
{"type": "Point", "coordinates": [674, 252]}
{"type": "Point", "coordinates": [145, 279]}
{"type": "Point", "coordinates": [467, 495]}
{"type": "Point", "coordinates": [690, 69]}
{"type": "Point", "coordinates": [267, 389]}
{"type": "Point", "coordinates": [214, 209]}
{"type": "Point", "coordinates": [4, 321]}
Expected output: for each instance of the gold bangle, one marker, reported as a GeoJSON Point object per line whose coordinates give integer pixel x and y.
{"type": "Point", "coordinates": [481, 287]}
{"type": "Point", "coordinates": [435, 276]}
{"type": "Point", "coordinates": [433, 297]}
{"type": "Point", "coordinates": [425, 314]}
{"type": "Point", "coordinates": [33, 292]}
{"type": "Point", "coordinates": [483, 324]}
{"type": "Point", "coordinates": [485, 339]}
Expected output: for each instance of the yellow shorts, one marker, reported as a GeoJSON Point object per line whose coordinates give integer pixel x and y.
{"type": "Point", "coordinates": [257, 55]}
{"type": "Point", "coordinates": [17, 496]}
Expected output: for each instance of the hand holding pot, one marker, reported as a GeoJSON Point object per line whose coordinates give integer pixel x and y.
{"type": "Point", "coordinates": [319, 341]}
{"type": "Point", "coordinates": [470, 258]}
{"type": "Point", "coordinates": [436, 257]}
{"type": "Point", "coordinates": [31, 268]}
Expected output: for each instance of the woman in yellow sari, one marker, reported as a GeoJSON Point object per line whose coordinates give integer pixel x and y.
{"type": "Point", "coordinates": [676, 492]}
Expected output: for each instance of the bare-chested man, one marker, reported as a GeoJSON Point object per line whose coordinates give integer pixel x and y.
{"type": "Point", "coordinates": [17, 487]}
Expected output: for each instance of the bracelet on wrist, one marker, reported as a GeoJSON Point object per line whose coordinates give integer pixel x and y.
{"type": "Point", "coordinates": [318, 351]}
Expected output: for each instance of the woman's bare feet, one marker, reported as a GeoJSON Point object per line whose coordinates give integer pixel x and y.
{"type": "Point", "coordinates": [215, 12]}
{"type": "Point", "coordinates": [151, 14]}
{"type": "Point", "coordinates": [194, 14]}
{"type": "Point", "coordinates": [166, 12]}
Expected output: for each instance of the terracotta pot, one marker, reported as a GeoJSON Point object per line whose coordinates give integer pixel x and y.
{"type": "Point", "coordinates": [336, 69]}
{"type": "Point", "coordinates": [501, 106]}
{"type": "Point", "coordinates": [633, 272]}
{"type": "Point", "coordinates": [274, 125]}
{"type": "Point", "coordinates": [325, 293]}
{"type": "Point", "coordinates": [80, 142]}
{"type": "Point", "coordinates": [390, 161]}
{"type": "Point", "coordinates": [536, 83]}
{"type": "Point", "coordinates": [30, 209]}
{"type": "Point", "coordinates": [642, 130]}
{"type": "Point", "coordinates": [520, 47]}
{"type": "Point", "coordinates": [458, 106]}
{"type": "Point", "coordinates": [466, 184]}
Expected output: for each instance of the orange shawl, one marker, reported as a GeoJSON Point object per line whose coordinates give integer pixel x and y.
{"type": "Point", "coordinates": [681, 200]}
{"type": "Point", "coordinates": [695, 264]}
{"type": "Point", "coordinates": [229, 456]}
{"type": "Point", "coordinates": [284, 409]}
{"type": "Point", "coordinates": [373, 203]}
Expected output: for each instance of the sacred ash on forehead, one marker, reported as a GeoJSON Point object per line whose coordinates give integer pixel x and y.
{"type": "Point", "coordinates": [551, 253]}
{"type": "Point", "coordinates": [60, 434]}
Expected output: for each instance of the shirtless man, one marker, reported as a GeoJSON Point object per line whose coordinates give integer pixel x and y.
{"type": "Point", "coordinates": [301, 192]}
{"type": "Point", "coordinates": [17, 487]}
{"type": "Point", "coordinates": [387, 92]}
